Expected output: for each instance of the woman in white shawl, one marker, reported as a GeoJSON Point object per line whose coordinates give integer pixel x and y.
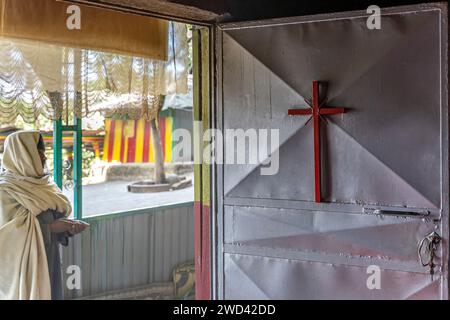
{"type": "Point", "coordinates": [32, 209]}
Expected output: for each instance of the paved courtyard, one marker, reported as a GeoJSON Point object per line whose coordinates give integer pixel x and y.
{"type": "Point", "coordinates": [109, 197]}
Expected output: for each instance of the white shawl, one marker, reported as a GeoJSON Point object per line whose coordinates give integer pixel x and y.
{"type": "Point", "coordinates": [25, 192]}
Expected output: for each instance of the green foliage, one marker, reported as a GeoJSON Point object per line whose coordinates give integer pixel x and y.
{"type": "Point", "coordinates": [88, 160]}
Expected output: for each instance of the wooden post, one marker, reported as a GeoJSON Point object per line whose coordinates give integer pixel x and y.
{"type": "Point", "coordinates": [202, 172]}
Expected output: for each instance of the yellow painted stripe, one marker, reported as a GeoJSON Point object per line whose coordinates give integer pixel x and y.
{"type": "Point", "coordinates": [197, 114]}
{"type": "Point", "coordinates": [151, 155]}
{"type": "Point", "coordinates": [97, 151]}
{"type": "Point", "coordinates": [139, 140]}
{"type": "Point", "coordinates": [168, 143]}
{"type": "Point", "coordinates": [106, 141]}
{"type": "Point", "coordinates": [128, 133]}
{"type": "Point", "coordinates": [125, 147]}
{"type": "Point", "coordinates": [117, 140]}
{"type": "Point", "coordinates": [205, 78]}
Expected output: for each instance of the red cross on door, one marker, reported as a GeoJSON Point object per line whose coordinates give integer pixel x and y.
{"type": "Point", "coordinates": [317, 111]}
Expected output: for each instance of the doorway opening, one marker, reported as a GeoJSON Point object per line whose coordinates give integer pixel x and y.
{"type": "Point", "coordinates": [114, 105]}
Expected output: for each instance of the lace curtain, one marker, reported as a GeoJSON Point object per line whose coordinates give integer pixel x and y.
{"type": "Point", "coordinates": [87, 81]}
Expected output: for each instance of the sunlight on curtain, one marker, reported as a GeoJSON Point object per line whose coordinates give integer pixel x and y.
{"type": "Point", "coordinates": [122, 84]}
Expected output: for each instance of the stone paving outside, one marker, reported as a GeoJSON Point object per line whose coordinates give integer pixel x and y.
{"type": "Point", "coordinates": [109, 197]}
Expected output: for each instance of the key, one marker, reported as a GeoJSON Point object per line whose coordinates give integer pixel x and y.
{"type": "Point", "coordinates": [431, 243]}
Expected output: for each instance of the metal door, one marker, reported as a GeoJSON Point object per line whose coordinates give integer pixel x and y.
{"type": "Point", "coordinates": [384, 163]}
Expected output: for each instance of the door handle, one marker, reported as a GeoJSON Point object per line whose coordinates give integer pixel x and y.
{"type": "Point", "coordinates": [422, 213]}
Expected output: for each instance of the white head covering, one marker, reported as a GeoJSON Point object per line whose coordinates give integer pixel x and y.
{"type": "Point", "coordinates": [23, 176]}
{"type": "Point", "coordinates": [25, 192]}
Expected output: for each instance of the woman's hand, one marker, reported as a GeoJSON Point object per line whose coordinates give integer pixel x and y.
{"type": "Point", "coordinates": [71, 226]}
{"type": "Point", "coordinates": [77, 227]}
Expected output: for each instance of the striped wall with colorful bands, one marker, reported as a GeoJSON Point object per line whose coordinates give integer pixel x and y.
{"type": "Point", "coordinates": [130, 141]}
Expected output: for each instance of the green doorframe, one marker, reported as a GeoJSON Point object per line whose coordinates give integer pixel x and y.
{"type": "Point", "coordinates": [57, 152]}
{"type": "Point", "coordinates": [58, 130]}
{"type": "Point", "coordinates": [204, 229]}
{"type": "Point", "coordinates": [78, 172]}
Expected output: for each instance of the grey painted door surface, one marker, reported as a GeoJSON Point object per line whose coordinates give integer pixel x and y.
{"type": "Point", "coordinates": [384, 163]}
